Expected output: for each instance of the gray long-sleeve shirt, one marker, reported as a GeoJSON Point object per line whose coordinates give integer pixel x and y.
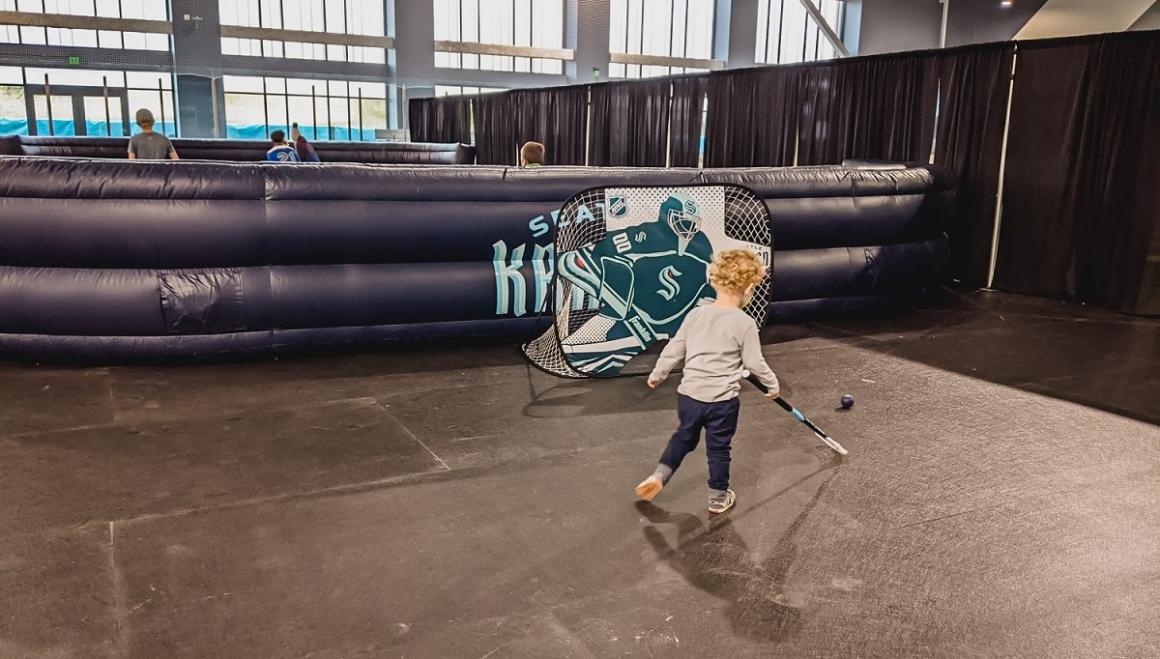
{"type": "Point", "coordinates": [716, 344]}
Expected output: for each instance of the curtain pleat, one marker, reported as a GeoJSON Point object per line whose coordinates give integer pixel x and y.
{"type": "Point", "coordinates": [555, 117]}
{"type": "Point", "coordinates": [872, 108]}
{"type": "Point", "coordinates": [752, 118]}
{"type": "Point", "coordinates": [686, 116]}
{"type": "Point", "coordinates": [443, 120]}
{"type": "Point", "coordinates": [973, 93]}
{"type": "Point", "coordinates": [496, 131]}
{"type": "Point", "coordinates": [630, 123]}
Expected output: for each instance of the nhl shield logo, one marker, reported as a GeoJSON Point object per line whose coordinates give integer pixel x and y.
{"type": "Point", "coordinates": [617, 206]}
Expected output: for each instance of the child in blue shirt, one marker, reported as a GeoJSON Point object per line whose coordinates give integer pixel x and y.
{"type": "Point", "coordinates": [281, 151]}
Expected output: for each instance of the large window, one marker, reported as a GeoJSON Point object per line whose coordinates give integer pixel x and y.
{"type": "Point", "coordinates": [323, 109]}
{"type": "Point", "coordinates": [13, 110]}
{"type": "Point", "coordinates": [363, 17]}
{"type": "Point", "coordinates": [82, 101]}
{"type": "Point", "coordinates": [786, 33]}
{"type": "Point", "coordinates": [458, 90]}
{"type": "Point", "coordinates": [35, 35]}
{"type": "Point", "coordinates": [643, 34]}
{"type": "Point", "coordinates": [359, 18]}
{"type": "Point", "coordinates": [157, 10]}
{"type": "Point", "coordinates": [464, 29]}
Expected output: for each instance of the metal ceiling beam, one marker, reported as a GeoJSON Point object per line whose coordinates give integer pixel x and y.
{"type": "Point", "coordinates": [826, 28]}
{"type": "Point", "coordinates": [84, 22]}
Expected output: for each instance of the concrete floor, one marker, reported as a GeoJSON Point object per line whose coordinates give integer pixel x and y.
{"type": "Point", "coordinates": [1001, 499]}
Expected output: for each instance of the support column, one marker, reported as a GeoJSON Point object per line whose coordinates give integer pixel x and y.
{"type": "Point", "coordinates": [414, 65]}
{"type": "Point", "coordinates": [197, 63]}
{"type": "Point", "coordinates": [414, 53]}
{"type": "Point", "coordinates": [586, 32]}
{"type": "Point", "coordinates": [736, 38]}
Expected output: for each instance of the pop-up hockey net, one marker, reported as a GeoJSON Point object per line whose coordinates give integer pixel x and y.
{"type": "Point", "coordinates": [632, 262]}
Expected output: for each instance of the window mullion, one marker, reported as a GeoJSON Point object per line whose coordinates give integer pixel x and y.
{"type": "Point", "coordinates": [780, 28]}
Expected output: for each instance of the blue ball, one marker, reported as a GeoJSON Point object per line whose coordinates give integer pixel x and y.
{"type": "Point", "coordinates": [847, 401]}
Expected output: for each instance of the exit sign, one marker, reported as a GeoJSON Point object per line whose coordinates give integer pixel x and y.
{"type": "Point", "coordinates": [74, 60]}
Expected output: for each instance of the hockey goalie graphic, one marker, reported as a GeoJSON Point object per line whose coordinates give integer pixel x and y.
{"type": "Point", "coordinates": [631, 264]}
{"type": "Point", "coordinates": [646, 278]}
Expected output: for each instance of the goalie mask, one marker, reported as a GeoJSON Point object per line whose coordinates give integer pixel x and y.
{"type": "Point", "coordinates": [683, 216]}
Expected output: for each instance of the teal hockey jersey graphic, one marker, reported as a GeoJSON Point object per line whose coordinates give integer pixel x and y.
{"type": "Point", "coordinates": [647, 277]}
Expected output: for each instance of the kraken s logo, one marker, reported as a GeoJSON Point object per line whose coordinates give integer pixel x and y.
{"type": "Point", "coordinates": [669, 285]}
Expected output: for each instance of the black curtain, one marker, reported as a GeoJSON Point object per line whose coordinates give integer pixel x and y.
{"type": "Point", "coordinates": [446, 119]}
{"type": "Point", "coordinates": [1080, 193]}
{"type": "Point", "coordinates": [685, 118]}
{"type": "Point", "coordinates": [555, 117]}
{"type": "Point", "coordinates": [496, 130]}
{"type": "Point", "coordinates": [558, 118]}
{"type": "Point", "coordinates": [753, 117]}
{"type": "Point", "coordinates": [879, 107]}
{"type": "Point", "coordinates": [630, 123]}
{"type": "Point", "coordinates": [973, 91]}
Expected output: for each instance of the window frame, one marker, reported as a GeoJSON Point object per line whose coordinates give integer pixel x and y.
{"type": "Point", "coordinates": [459, 52]}
{"type": "Point", "coordinates": [630, 61]}
{"type": "Point", "coordinates": [337, 93]}
{"type": "Point", "coordinates": [59, 30]}
{"type": "Point", "coordinates": [240, 37]}
{"type": "Point", "coordinates": [765, 8]}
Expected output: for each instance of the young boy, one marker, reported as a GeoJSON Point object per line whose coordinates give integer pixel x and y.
{"type": "Point", "coordinates": [532, 155]}
{"type": "Point", "coordinates": [281, 151]}
{"type": "Point", "coordinates": [716, 341]}
{"type": "Point", "coordinates": [148, 145]}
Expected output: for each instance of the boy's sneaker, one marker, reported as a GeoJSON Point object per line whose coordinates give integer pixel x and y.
{"type": "Point", "coordinates": [650, 487]}
{"type": "Point", "coordinates": [721, 502]}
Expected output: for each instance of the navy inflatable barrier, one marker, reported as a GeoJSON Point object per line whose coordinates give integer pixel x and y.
{"type": "Point", "coordinates": [130, 260]}
{"type": "Point", "coordinates": [406, 153]}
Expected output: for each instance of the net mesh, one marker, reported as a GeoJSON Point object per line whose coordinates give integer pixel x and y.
{"type": "Point", "coordinates": [630, 263]}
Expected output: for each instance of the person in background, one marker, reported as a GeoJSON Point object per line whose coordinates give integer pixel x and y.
{"type": "Point", "coordinates": [148, 145]}
{"type": "Point", "coordinates": [281, 151]}
{"type": "Point", "coordinates": [532, 155]}
{"type": "Point", "coordinates": [305, 149]}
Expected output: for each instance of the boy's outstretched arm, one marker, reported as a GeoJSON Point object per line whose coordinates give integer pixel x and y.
{"type": "Point", "coordinates": [754, 361]}
{"type": "Point", "coordinates": [672, 355]}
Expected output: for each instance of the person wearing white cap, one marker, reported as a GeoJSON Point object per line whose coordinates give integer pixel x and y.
{"type": "Point", "coordinates": [148, 145]}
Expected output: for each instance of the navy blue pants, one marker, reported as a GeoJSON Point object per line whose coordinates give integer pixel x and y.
{"type": "Point", "coordinates": [719, 421]}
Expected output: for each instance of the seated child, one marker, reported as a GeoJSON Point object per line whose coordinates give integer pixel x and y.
{"type": "Point", "coordinates": [281, 151]}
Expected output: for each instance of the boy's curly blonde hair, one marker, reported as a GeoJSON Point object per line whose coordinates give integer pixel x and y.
{"type": "Point", "coordinates": [735, 270]}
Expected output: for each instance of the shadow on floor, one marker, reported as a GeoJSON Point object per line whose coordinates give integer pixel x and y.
{"type": "Point", "coordinates": [713, 557]}
{"type": "Point", "coordinates": [1095, 358]}
{"type": "Point", "coordinates": [551, 397]}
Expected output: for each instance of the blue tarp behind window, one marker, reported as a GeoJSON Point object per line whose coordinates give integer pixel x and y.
{"type": "Point", "coordinates": [63, 127]}
{"type": "Point", "coordinates": [312, 133]}
{"type": "Point", "coordinates": [13, 127]}
{"type": "Point", "coordinates": [234, 132]}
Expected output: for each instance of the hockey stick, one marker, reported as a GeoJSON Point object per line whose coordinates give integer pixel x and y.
{"type": "Point", "coordinates": [799, 416]}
